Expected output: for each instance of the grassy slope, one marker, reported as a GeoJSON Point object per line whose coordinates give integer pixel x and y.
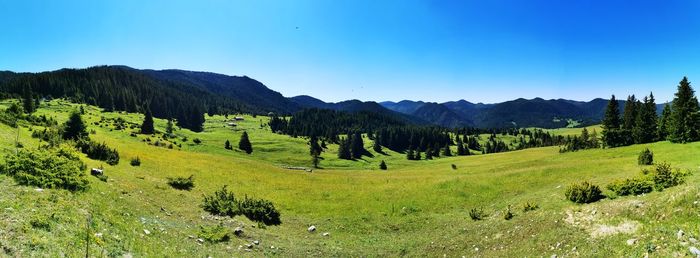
{"type": "Point", "coordinates": [414, 208]}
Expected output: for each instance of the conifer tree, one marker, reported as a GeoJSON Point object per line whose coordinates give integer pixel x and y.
{"type": "Point", "coordinates": [410, 155]}
{"type": "Point", "coordinates": [645, 130]}
{"type": "Point", "coordinates": [315, 150]}
{"type": "Point", "coordinates": [147, 125]}
{"type": "Point", "coordinates": [684, 115]}
{"type": "Point", "coordinates": [344, 149]}
{"type": "Point", "coordinates": [664, 123]}
{"type": "Point", "coordinates": [169, 128]}
{"type": "Point", "coordinates": [376, 147]}
{"type": "Point", "coordinates": [382, 165]}
{"type": "Point", "coordinates": [28, 100]}
{"type": "Point", "coordinates": [75, 128]}
{"type": "Point", "coordinates": [244, 144]}
{"type": "Point", "coordinates": [227, 145]}
{"type": "Point", "coordinates": [611, 124]}
{"type": "Point", "coordinates": [446, 151]}
{"type": "Point", "coordinates": [629, 116]}
{"type": "Point", "coordinates": [357, 147]}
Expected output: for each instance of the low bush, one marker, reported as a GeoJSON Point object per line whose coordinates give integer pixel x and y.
{"type": "Point", "coordinates": [225, 203]}
{"type": "Point", "coordinates": [530, 207]}
{"type": "Point", "coordinates": [583, 192]}
{"type": "Point", "coordinates": [646, 157]}
{"type": "Point", "coordinates": [98, 151]}
{"type": "Point", "coordinates": [196, 141]}
{"type": "Point", "coordinates": [260, 210]}
{"type": "Point", "coordinates": [135, 161]}
{"type": "Point", "coordinates": [215, 234]}
{"type": "Point", "coordinates": [507, 215]}
{"type": "Point", "coordinates": [47, 169]}
{"type": "Point", "coordinates": [222, 203]}
{"type": "Point", "coordinates": [476, 214]}
{"type": "Point", "coordinates": [664, 176]}
{"type": "Point", "coordinates": [633, 186]}
{"type": "Point", "coordinates": [182, 183]}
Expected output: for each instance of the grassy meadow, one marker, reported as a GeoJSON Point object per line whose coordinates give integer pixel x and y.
{"type": "Point", "coordinates": [415, 208]}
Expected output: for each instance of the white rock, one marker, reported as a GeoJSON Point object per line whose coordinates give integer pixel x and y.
{"type": "Point", "coordinates": [694, 251]}
{"type": "Point", "coordinates": [631, 241]}
{"type": "Point", "coordinates": [680, 234]}
{"type": "Point", "coordinates": [200, 240]}
{"type": "Point", "coordinates": [326, 234]}
{"type": "Point", "coordinates": [312, 229]}
{"type": "Point", "coordinates": [145, 231]}
{"type": "Point", "coordinates": [39, 190]}
{"type": "Point", "coordinates": [256, 242]}
{"type": "Point", "coordinates": [693, 240]}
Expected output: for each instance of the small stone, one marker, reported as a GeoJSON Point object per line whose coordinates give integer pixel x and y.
{"type": "Point", "coordinates": [249, 246]}
{"type": "Point", "coordinates": [39, 190]}
{"type": "Point", "coordinates": [680, 234]}
{"type": "Point", "coordinates": [326, 234]}
{"type": "Point", "coordinates": [200, 240]}
{"type": "Point", "coordinates": [145, 231]}
{"type": "Point", "coordinates": [256, 242]}
{"type": "Point", "coordinates": [238, 231]}
{"type": "Point", "coordinates": [554, 256]}
{"type": "Point", "coordinates": [693, 240]}
{"type": "Point", "coordinates": [191, 236]}
{"type": "Point", "coordinates": [312, 229]}
{"type": "Point", "coordinates": [693, 250]}
{"type": "Point", "coordinates": [631, 241]}
{"type": "Point", "coordinates": [98, 234]}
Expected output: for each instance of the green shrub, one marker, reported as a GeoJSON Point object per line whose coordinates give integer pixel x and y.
{"type": "Point", "coordinates": [196, 140]}
{"type": "Point", "coordinates": [182, 183]}
{"type": "Point", "coordinates": [664, 176]}
{"type": "Point", "coordinates": [99, 151]}
{"type": "Point", "coordinates": [507, 215]}
{"type": "Point", "coordinates": [646, 157]}
{"type": "Point", "coordinates": [530, 207]}
{"type": "Point", "coordinates": [215, 234]}
{"type": "Point", "coordinates": [222, 203]}
{"type": "Point", "coordinates": [634, 186]}
{"type": "Point", "coordinates": [136, 161]}
{"type": "Point", "coordinates": [260, 210]}
{"type": "Point", "coordinates": [382, 165]}
{"type": "Point", "coordinates": [476, 214]}
{"type": "Point", "coordinates": [47, 169]}
{"type": "Point", "coordinates": [583, 192]}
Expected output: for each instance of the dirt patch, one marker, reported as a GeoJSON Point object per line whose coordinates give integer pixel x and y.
{"type": "Point", "coordinates": [602, 230]}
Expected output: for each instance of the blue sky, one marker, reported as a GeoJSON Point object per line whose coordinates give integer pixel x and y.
{"type": "Point", "coordinates": [481, 51]}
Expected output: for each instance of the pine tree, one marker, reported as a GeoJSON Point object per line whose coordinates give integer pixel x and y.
{"type": "Point", "coordinates": [611, 124]}
{"type": "Point", "coordinates": [684, 115]}
{"type": "Point", "coordinates": [629, 116]}
{"type": "Point", "coordinates": [315, 151]}
{"type": "Point", "coordinates": [244, 144]}
{"type": "Point", "coordinates": [357, 147]}
{"type": "Point", "coordinates": [28, 100]}
{"type": "Point", "coordinates": [169, 128]}
{"type": "Point", "coordinates": [376, 147]}
{"type": "Point", "coordinates": [664, 123]}
{"type": "Point", "coordinates": [75, 128]}
{"type": "Point", "coordinates": [410, 155]}
{"type": "Point", "coordinates": [227, 145]}
{"type": "Point", "coordinates": [446, 151]}
{"type": "Point", "coordinates": [645, 127]}
{"type": "Point", "coordinates": [147, 125]}
{"type": "Point", "coordinates": [344, 149]}
{"type": "Point", "coordinates": [382, 165]}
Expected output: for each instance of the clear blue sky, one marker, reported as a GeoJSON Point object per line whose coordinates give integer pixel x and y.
{"type": "Point", "coordinates": [481, 51]}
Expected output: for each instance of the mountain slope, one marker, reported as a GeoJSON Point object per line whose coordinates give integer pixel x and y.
{"type": "Point", "coordinates": [441, 115]}
{"type": "Point", "coordinates": [241, 88]}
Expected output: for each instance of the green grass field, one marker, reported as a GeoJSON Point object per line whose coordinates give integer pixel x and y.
{"type": "Point", "coordinates": [415, 208]}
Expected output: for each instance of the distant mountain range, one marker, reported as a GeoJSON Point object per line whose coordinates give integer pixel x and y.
{"type": "Point", "coordinates": [254, 96]}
